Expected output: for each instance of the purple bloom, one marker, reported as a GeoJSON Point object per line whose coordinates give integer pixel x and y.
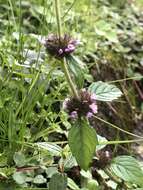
{"type": "Point", "coordinates": [60, 47]}
{"type": "Point", "coordinates": [93, 96]}
{"type": "Point", "coordinates": [74, 115]}
{"type": "Point", "coordinates": [93, 107]}
{"type": "Point", "coordinates": [89, 114]}
{"type": "Point", "coordinates": [70, 48]}
{"type": "Point", "coordinates": [85, 105]}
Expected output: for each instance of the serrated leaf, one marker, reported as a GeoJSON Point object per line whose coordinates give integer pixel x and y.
{"type": "Point", "coordinates": [128, 169]}
{"type": "Point", "coordinates": [58, 182]}
{"type": "Point", "coordinates": [105, 91]}
{"type": "Point", "coordinates": [82, 141]}
{"type": "Point", "coordinates": [54, 149]}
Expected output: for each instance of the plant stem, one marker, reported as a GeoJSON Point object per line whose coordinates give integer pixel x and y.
{"type": "Point", "coordinates": [58, 17]}
{"type": "Point", "coordinates": [64, 63]}
{"type": "Point", "coordinates": [69, 80]}
{"type": "Point", "coordinates": [118, 128]}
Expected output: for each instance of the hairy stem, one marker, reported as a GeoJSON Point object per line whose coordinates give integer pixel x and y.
{"type": "Point", "coordinates": [64, 63]}
{"type": "Point", "coordinates": [58, 17]}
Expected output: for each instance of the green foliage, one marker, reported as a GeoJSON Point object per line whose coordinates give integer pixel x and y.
{"type": "Point", "coordinates": [39, 179]}
{"type": "Point", "coordinates": [92, 185]}
{"type": "Point", "coordinates": [72, 184]}
{"type": "Point", "coordinates": [19, 159]}
{"type": "Point", "coordinates": [105, 91]}
{"type": "Point", "coordinates": [128, 169]}
{"type": "Point", "coordinates": [58, 181]}
{"type": "Point", "coordinates": [78, 69]}
{"type": "Point", "coordinates": [82, 141]}
{"type": "Point", "coordinates": [19, 177]}
{"type": "Point", "coordinates": [34, 151]}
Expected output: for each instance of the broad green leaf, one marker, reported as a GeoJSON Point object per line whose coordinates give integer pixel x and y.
{"type": "Point", "coordinates": [19, 177]}
{"type": "Point", "coordinates": [82, 141]}
{"type": "Point", "coordinates": [58, 182]}
{"type": "Point", "coordinates": [54, 149]}
{"type": "Point", "coordinates": [128, 169]}
{"type": "Point", "coordinates": [19, 159]}
{"type": "Point", "coordinates": [105, 91]}
{"type": "Point", "coordinates": [77, 69]}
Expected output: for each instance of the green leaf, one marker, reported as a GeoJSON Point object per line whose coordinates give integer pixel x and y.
{"type": "Point", "coordinates": [105, 91]}
{"type": "Point", "coordinates": [92, 185]}
{"type": "Point", "coordinates": [51, 171]}
{"type": "Point", "coordinates": [58, 182]}
{"type": "Point", "coordinates": [77, 69]}
{"type": "Point", "coordinates": [86, 174]}
{"type": "Point", "coordinates": [19, 177]}
{"type": "Point", "coordinates": [128, 169]}
{"type": "Point", "coordinates": [70, 161]}
{"type": "Point", "coordinates": [82, 141]}
{"type": "Point", "coordinates": [72, 184]}
{"type": "Point", "coordinates": [6, 171]}
{"type": "Point", "coordinates": [100, 141]}
{"type": "Point", "coordinates": [54, 149]}
{"type": "Point", "coordinates": [19, 159]}
{"type": "Point", "coordinates": [112, 36]}
{"type": "Point", "coordinates": [39, 179]}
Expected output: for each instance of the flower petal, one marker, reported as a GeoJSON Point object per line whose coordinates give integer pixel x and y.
{"type": "Point", "coordinates": [93, 107]}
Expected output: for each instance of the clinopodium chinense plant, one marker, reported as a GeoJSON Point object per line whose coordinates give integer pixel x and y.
{"type": "Point", "coordinates": [60, 47]}
{"type": "Point", "coordinates": [81, 105]}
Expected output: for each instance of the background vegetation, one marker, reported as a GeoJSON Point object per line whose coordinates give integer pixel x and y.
{"type": "Point", "coordinates": [33, 125]}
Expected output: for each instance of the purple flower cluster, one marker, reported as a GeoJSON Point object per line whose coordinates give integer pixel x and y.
{"type": "Point", "coordinates": [60, 47]}
{"type": "Point", "coordinates": [84, 106]}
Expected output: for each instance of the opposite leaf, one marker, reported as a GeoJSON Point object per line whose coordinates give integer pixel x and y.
{"type": "Point", "coordinates": [82, 141]}
{"type": "Point", "coordinates": [128, 169]}
{"type": "Point", "coordinates": [104, 91]}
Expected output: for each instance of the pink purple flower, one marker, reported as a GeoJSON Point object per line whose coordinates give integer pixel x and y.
{"type": "Point", "coordinates": [85, 105]}
{"type": "Point", "coordinates": [60, 47]}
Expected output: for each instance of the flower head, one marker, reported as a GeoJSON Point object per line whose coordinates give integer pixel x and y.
{"type": "Point", "coordinates": [85, 105]}
{"type": "Point", "coordinates": [60, 47]}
